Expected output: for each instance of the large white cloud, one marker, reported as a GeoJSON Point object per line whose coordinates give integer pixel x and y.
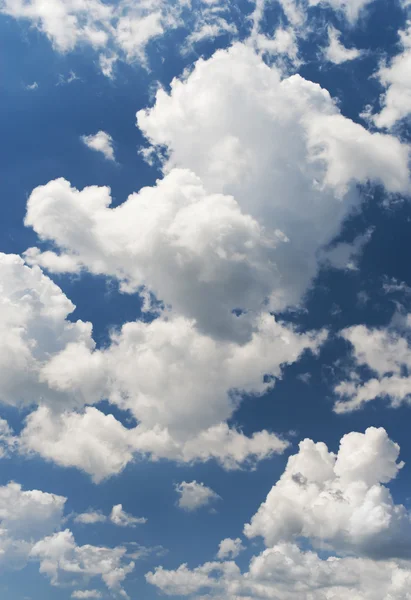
{"type": "Point", "coordinates": [387, 354]}
{"type": "Point", "coordinates": [338, 500]}
{"type": "Point", "coordinates": [261, 172]}
{"type": "Point", "coordinates": [196, 251]}
{"type": "Point", "coordinates": [338, 503]}
{"type": "Point", "coordinates": [280, 147]}
{"type": "Point", "coordinates": [49, 362]}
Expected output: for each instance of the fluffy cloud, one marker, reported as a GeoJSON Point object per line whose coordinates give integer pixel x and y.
{"type": "Point", "coordinates": [338, 499]}
{"type": "Point", "coordinates": [62, 560]}
{"type": "Point", "coordinates": [194, 495]}
{"type": "Point", "coordinates": [229, 548]}
{"type": "Point", "coordinates": [337, 502]}
{"type": "Point", "coordinates": [122, 519]}
{"type": "Point", "coordinates": [336, 52]}
{"type": "Point", "coordinates": [100, 142]}
{"type": "Point", "coordinates": [395, 77]}
{"type": "Point", "coordinates": [123, 30]}
{"type": "Point", "coordinates": [25, 517]}
{"type": "Point", "coordinates": [387, 355]}
{"type": "Point", "coordinates": [81, 594]}
{"type": "Point", "coordinates": [51, 362]}
{"type": "Point", "coordinates": [285, 572]}
{"type": "Point", "coordinates": [281, 149]}
{"type": "Point", "coordinates": [196, 251]}
{"type": "Point", "coordinates": [33, 327]}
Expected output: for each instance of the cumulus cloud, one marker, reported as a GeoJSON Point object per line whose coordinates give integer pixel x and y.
{"type": "Point", "coordinates": [62, 560]}
{"type": "Point", "coordinates": [213, 237]}
{"type": "Point", "coordinates": [387, 355]}
{"type": "Point", "coordinates": [51, 362]}
{"type": "Point", "coordinates": [338, 499]}
{"type": "Point", "coordinates": [275, 126]}
{"type": "Point", "coordinates": [212, 240]}
{"type": "Point", "coordinates": [286, 572]}
{"type": "Point", "coordinates": [25, 517]}
{"type": "Point", "coordinates": [336, 52]}
{"type": "Point", "coordinates": [34, 327]}
{"type": "Point", "coordinates": [119, 517]}
{"type": "Point", "coordinates": [229, 548]}
{"type": "Point", "coordinates": [81, 594]}
{"type": "Point", "coordinates": [337, 502]}
{"type": "Point", "coordinates": [194, 495]}
{"type": "Point", "coordinates": [395, 77]}
{"type": "Point", "coordinates": [100, 142]}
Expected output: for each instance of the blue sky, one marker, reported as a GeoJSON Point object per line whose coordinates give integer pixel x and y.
{"type": "Point", "coordinates": [205, 299]}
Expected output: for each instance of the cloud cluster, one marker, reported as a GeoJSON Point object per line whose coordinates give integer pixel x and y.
{"type": "Point", "coordinates": [336, 502]}
{"type": "Point", "coordinates": [259, 173]}
{"type": "Point", "coordinates": [51, 362]}
{"type": "Point", "coordinates": [31, 522]}
{"type": "Point", "coordinates": [120, 30]}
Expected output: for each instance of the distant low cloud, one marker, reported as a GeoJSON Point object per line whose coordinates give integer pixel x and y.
{"type": "Point", "coordinates": [100, 142]}
{"type": "Point", "coordinates": [122, 519]}
{"type": "Point", "coordinates": [194, 495]}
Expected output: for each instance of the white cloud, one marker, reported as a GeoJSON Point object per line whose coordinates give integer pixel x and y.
{"type": "Point", "coordinates": [334, 501]}
{"type": "Point", "coordinates": [338, 500]}
{"type": "Point", "coordinates": [116, 30]}
{"type": "Point", "coordinates": [336, 52]}
{"type": "Point", "coordinates": [229, 548]}
{"type": "Point", "coordinates": [100, 142]}
{"type": "Point", "coordinates": [32, 86]}
{"type": "Point", "coordinates": [386, 353]}
{"type": "Point", "coordinates": [62, 560]}
{"type": "Point", "coordinates": [33, 328]}
{"type": "Point", "coordinates": [25, 517]}
{"type": "Point", "coordinates": [396, 79]}
{"type": "Point", "coordinates": [81, 594]}
{"type": "Point", "coordinates": [285, 135]}
{"type": "Point", "coordinates": [90, 518]}
{"type": "Point", "coordinates": [50, 362]}
{"type": "Point", "coordinates": [122, 519]}
{"type": "Point", "coordinates": [285, 572]}
{"type": "Point", "coordinates": [194, 495]}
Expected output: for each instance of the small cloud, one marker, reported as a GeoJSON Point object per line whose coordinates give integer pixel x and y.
{"type": "Point", "coordinates": [336, 52]}
{"type": "Point", "coordinates": [229, 548]}
{"type": "Point", "coordinates": [90, 517]}
{"type": "Point", "coordinates": [32, 86]}
{"type": "Point", "coordinates": [100, 142]}
{"type": "Point", "coordinates": [304, 377]}
{"type": "Point", "coordinates": [66, 79]}
{"type": "Point", "coordinates": [194, 495]}
{"type": "Point", "coordinates": [122, 519]}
